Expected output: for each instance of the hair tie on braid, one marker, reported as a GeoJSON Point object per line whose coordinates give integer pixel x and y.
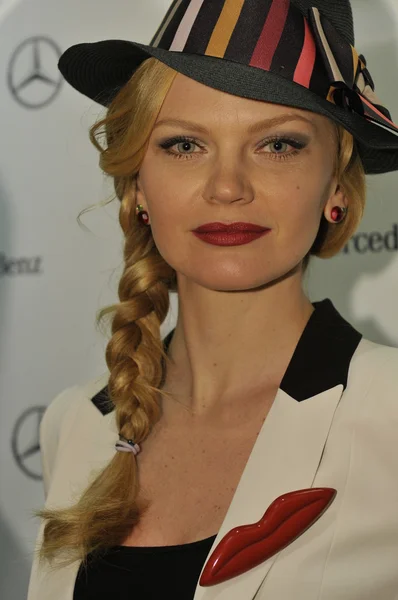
{"type": "Point", "coordinates": [125, 445]}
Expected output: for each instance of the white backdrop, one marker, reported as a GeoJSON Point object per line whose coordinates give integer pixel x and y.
{"type": "Point", "coordinates": [54, 275]}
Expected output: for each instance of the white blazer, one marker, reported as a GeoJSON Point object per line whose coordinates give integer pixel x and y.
{"type": "Point", "coordinates": [334, 423]}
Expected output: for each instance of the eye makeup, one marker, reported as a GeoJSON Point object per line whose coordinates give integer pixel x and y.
{"type": "Point", "coordinates": [278, 139]}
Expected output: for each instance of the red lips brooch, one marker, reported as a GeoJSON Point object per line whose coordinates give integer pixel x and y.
{"type": "Point", "coordinates": [246, 546]}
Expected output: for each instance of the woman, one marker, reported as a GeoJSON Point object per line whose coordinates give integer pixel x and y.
{"type": "Point", "coordinates": [257, 441]}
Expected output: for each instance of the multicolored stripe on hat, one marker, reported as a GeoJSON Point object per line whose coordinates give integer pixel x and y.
{"type": "Point", "coordinates": [275, 36]}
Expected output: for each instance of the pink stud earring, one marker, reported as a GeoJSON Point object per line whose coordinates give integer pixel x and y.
{"type": "Point", "coordinates": [142, 214]}
{"type": "Point", "coordinates": [338, 213]}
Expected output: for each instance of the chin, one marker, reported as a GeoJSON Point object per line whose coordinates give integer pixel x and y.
{"type": "Point", "coordinates": [227, 282]}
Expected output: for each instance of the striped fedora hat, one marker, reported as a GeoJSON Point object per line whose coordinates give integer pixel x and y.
{"type": "Point", "coordinates": [298, 53]}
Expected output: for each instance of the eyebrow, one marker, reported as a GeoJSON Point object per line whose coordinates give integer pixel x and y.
{"type": "Point", "coordinates": [252, 129]}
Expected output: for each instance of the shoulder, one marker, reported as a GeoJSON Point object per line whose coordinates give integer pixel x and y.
{"type": "Point", "coordinates": [60, 415]}
{"type": "Point", "coordinates": [380, 359]}
{"type": "Point", "coordinates": [374, 371]}
{"type": "Point", "coordinates": [68, 402]}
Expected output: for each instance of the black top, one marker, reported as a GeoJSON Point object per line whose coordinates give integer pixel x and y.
{"type": "Point", "coordinates": [144, 573]}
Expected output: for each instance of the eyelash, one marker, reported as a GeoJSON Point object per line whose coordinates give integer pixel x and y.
{"type": "Point", "coordinates": [181, 139]}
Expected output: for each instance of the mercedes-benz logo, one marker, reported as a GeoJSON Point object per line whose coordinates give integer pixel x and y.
{"type": "Point", "coordinates": [25, 441]}
{"type": "Point", "coordinates": [33, 76]}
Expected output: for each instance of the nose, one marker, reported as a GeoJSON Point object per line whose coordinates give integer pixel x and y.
{"type": "Point", "coordinates": [228, 182]}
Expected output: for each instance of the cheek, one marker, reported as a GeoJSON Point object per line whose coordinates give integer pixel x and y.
{"type": "Point", "coordinates": [170, 213]}
{"type": "Point", "coordinates": [169, 194]}
{"type": "Point", "coordinates": [296, 213]}
{"type": "Point", "coordinates": [300, 199]}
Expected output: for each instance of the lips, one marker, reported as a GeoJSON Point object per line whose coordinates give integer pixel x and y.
{"type": "Point", "coordinates": [246, 546]}
{"type": "Point", "coordinates": [229, 227]}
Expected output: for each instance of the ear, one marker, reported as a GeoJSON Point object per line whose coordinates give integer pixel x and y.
{"type": "Point", "coordinates": [138, 192]}
{"type": "Point", "coordinates": [338, 198]}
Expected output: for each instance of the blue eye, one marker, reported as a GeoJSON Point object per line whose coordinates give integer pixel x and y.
{"type": "Point", "coordinates": [179, 141]}
{"type": "Point", "coordinates": [281, 142]}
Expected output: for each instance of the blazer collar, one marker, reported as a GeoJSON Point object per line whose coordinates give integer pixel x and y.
{"type": "Point", "coordinates": [320, 361]}
{"type": "Point", "coordinates": [322, 356]}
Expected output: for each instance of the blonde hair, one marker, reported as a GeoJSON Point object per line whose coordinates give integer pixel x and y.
{"type": "Point", "coordinates": [108, 509]}
{"type": "Point", "coordinates": [350, 174]}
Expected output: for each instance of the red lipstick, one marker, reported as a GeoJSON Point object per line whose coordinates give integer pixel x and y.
{"type": "Point", "coordinates": [238, 226]}
{"type": "Point", "coordinates": [229, 234]}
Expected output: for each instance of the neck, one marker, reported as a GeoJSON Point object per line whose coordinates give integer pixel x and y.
{"type": "Point", "coordinates": [229, 346]}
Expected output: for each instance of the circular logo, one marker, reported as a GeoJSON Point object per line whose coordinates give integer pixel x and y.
{"type": "Point", "coordinates": [33, 76]}
{"type": "Point", "coordinates": [25, 442]}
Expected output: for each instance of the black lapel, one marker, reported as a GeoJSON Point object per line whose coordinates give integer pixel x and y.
{"type": "Point", "coordinates": [323, 354]}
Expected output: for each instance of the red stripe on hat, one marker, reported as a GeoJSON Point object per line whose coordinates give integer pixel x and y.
{"type": "Point", "coordinates": [270, 35]}
{"type": "Point", "coordinates": [372, 111]}
{"type": "Point", "coordinates": [306, 63]}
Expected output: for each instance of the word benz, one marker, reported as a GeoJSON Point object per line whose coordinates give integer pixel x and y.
{"type": "Point", "coordinates": [20, 266]}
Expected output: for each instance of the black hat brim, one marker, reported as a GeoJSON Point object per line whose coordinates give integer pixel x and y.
{"type": "Point", "coordinates": [100, 69]}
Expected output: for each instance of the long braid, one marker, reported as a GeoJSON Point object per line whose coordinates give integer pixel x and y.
{"type": "Point", "coordinates": [107, 510]}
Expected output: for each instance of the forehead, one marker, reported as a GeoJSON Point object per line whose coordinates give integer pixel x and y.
{"type": "Point", "coordinates": [191, 100]}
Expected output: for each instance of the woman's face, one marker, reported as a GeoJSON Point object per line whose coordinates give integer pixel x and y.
{"type": "Point", "coordinates": [212, 157]}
